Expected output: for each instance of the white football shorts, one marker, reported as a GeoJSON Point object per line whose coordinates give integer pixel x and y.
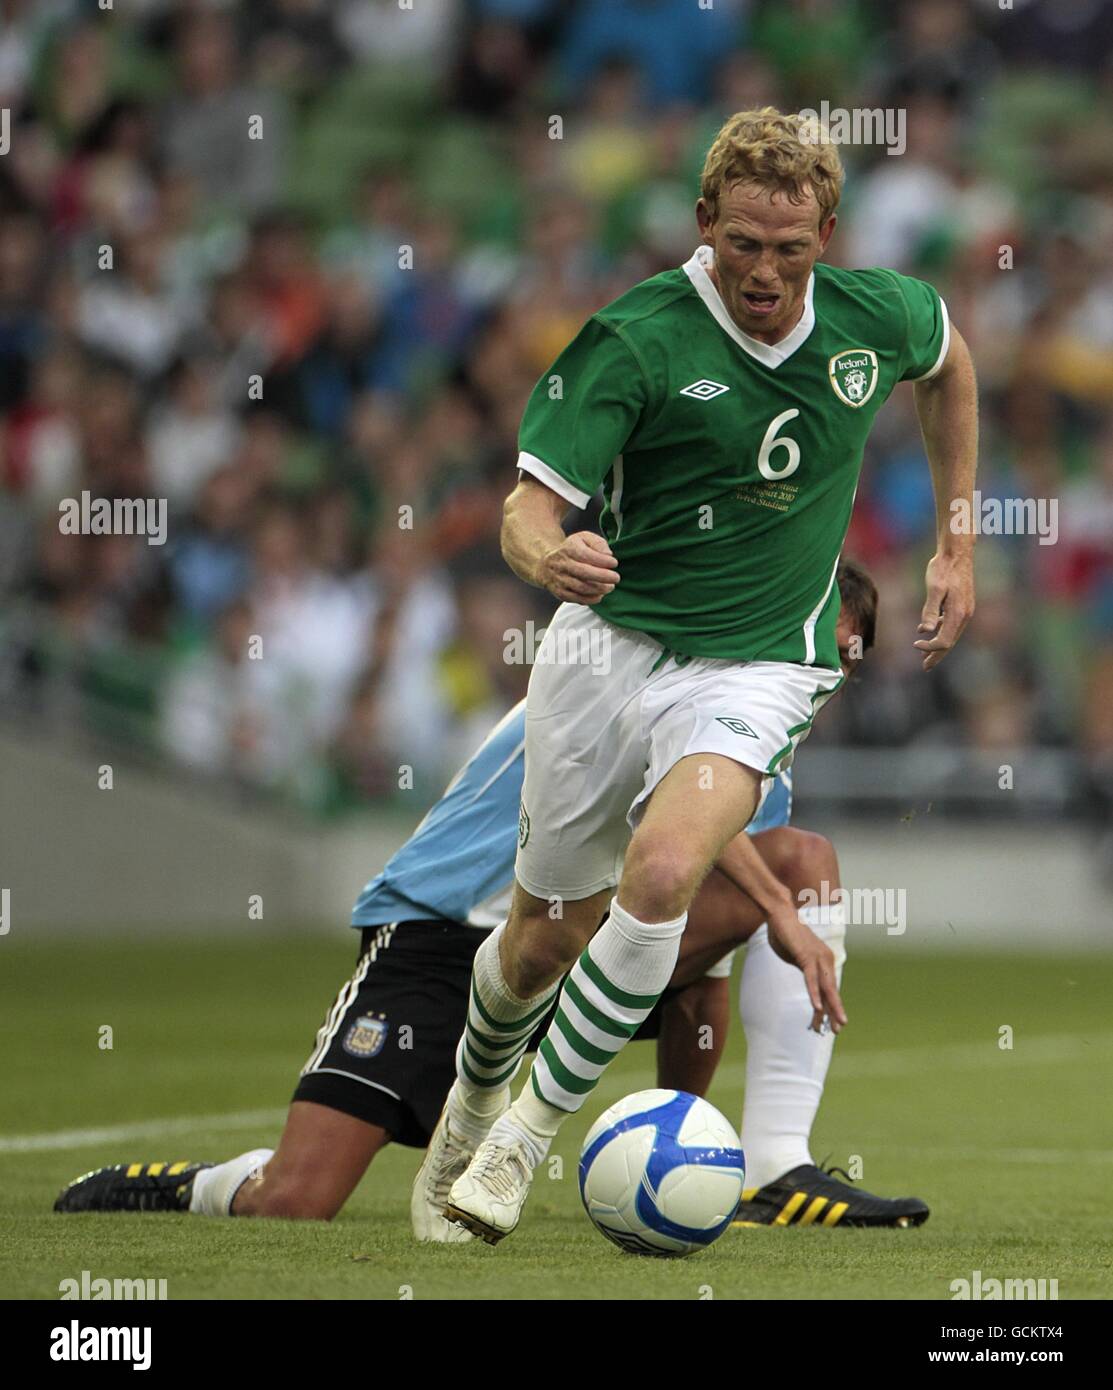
{"type": "Point", "coordinates": [609, 712]}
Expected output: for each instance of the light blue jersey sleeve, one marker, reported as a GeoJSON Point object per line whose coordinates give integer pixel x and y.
{"type": "Point", "coordinates": [459, 862]}
{"type": "Point", "coordinates": [776, 809]}
{"type": "Point", "coordinates": [462, 854]}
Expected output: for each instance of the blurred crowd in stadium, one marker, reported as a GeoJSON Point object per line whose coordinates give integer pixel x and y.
{"type": "Point", "coordinates": [370, 207]}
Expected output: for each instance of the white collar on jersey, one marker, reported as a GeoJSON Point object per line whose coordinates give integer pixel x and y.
{"type": "Point", "coordinates": [769, 354]}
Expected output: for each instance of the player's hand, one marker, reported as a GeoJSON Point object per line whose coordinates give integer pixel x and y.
{"type": "Point", "coordinates": [798, 945]}
{"type": "Point", "coordinates": [949, 606]}
{"type": "Point", "coordinates": [579, 570]}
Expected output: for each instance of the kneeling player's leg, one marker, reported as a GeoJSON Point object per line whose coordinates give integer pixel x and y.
{"type": "Point", "coordinates": [378, 1072]}
{"type": "Point", "coordinates": [786, 1062]}
{"type": "Point", "coordinates": [360, 1088]}
{"type": "Point", "coordinates": [320, 1158]}
{"type": "Point", "coordinates": [720, 918]}
{"type": "Point", "coordinates": [692, 1018]}
{"type": "Point", "coordinates": [692, 1032]}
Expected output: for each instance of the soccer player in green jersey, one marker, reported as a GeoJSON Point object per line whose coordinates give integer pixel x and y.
{"type": "Point", "coordinates": [723, 407]}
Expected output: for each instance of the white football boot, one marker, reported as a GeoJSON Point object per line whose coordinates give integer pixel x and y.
{"type": "Point", "coordinates": [451, 1148]}
{"type": "Point", "coordinates": [488, 1197]}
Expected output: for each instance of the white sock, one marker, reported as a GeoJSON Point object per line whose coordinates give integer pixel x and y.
{"type": "Point", "coordinates": [515, 1125]}
{"type": "Point", "coordinates": [497, 1033]}
{"type": "Point", "coordinates": [215, 1188]}
{"type": "Point", "coordinates": [786, 1063]}
{"type": "Point", "coordinates": [607, 995]}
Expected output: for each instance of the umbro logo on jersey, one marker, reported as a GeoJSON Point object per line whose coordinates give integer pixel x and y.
{"type": "Point", "coordinates": [737, 726]}
{"type": "Point", "coordinates": [704, 390]}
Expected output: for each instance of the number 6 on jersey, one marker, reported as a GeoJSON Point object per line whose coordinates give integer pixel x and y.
{"type": "Point", "coordinates": [771, 442]}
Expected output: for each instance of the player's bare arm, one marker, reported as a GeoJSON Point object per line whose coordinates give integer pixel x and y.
{"type": "Point", "coordinates": [577, 569]}
{"type": "Point", "coordinates": [794, 942]}
{"type": "Point", "coordinates": [947, 405]}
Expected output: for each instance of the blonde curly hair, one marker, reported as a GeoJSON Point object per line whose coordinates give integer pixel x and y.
{"type": "Point", "coordinates": [788, 153]}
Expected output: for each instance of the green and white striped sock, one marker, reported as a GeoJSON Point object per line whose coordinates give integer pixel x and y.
{"type": "Point", "coordinates": [498, 1029]}
{"type": "Point", "coordinates": [608, 994]}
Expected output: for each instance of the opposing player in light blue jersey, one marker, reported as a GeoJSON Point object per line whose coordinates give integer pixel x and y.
{"type": "Point", "coordinates": [384, 1057]}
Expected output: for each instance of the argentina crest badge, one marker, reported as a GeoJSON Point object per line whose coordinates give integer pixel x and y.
{"type": "Point", "coordinates": [366, 1036]}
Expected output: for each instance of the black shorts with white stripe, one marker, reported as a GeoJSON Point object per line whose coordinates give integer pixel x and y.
{"type": "Point", "coordinates": [386, 1051]}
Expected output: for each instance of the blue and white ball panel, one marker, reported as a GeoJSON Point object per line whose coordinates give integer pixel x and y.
{"type": "Point", "coordinates": [661, 1173]}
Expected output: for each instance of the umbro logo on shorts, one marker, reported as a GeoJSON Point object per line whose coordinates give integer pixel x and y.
{"type": "Point", "coordinates": [704, 390]}
{"type": "Point", "coordinates": [737, 726]}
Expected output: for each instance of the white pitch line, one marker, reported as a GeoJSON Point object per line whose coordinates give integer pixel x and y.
{"type": "Point", "coordinates": [143, 1129]}
{"type": "Point", "coordinates": [912, 1061]}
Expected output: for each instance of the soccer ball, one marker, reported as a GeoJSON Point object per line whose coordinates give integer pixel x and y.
{"type": "Point", "coordinates": [661, 1173]}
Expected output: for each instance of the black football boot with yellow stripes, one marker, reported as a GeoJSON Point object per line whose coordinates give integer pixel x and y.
{"type": "Point", "coordinates": [811, 1196]}
{"type": "Point", "coordinates": [132, 1187]}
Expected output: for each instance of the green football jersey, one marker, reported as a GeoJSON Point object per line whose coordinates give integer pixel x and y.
{"type": "Point", "coordinates": [728, 466]}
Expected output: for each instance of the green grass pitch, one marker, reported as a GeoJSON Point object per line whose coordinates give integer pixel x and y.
{"type": "Point", "coordinates": [1013, 1149]}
